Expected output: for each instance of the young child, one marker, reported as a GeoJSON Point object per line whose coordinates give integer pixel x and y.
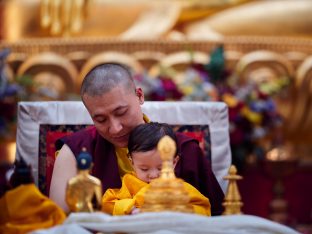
{"type": "Point", "coordinates": [147, 165]}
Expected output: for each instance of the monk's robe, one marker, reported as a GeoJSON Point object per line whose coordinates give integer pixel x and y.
{"type": "Point", "coordinates": [131, 195]}
{"type": "Point", "coordinates": [25, 209]}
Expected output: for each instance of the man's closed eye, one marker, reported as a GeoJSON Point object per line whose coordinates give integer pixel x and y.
{"type": "Point", "coordinates": [100, 120]}
{"type": "Point", "coordinates": [121, 112]}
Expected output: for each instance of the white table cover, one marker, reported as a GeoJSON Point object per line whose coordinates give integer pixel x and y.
{"type": "Point", "coordinates": [169, 222]}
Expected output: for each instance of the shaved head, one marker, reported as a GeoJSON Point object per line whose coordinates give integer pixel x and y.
{"type": "Point", "coordinates": [103, 78]}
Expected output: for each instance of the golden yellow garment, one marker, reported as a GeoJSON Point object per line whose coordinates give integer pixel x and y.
{"type": "Point", "coordinates": [131, 194]}
{"type": "Point", "coordinates": [25, 209]}
{"type": "Point", "coordinates": [124, 164]}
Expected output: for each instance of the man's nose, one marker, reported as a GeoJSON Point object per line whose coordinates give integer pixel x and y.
{"type": "Point", "coordinates": [115, 127]}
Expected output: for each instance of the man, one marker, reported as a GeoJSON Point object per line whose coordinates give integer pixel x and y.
{"type": "Point", "coordinates": [114, 104]}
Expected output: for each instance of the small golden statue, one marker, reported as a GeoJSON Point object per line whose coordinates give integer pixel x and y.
{"type": "Point", "coordinates": [166, 192]}
{"type": "Point", "coordinates": [84, 192]}
{"type": "Point", "coordinates": [232, 201]}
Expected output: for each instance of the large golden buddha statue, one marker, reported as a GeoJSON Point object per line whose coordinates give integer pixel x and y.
{"type": "Point", "coordinates": [179, 19]}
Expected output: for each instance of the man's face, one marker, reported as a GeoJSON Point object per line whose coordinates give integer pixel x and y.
{"type": "Point", "coordinates": [116, 113]}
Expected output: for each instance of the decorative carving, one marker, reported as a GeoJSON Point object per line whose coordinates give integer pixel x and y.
{"type": "Point", "coordinates": [258, 59]}
{"type": "Point", "coordinates": [52, 72]}
{"type": "Point", "coordinates": [301, 113]}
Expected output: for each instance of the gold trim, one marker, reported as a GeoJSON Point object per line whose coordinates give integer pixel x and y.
{"type": "Point", "coordinates": [94, 45]}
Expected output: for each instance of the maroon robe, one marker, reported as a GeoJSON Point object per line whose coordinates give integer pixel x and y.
{"type": "Point", "coordinates": [192, 166]}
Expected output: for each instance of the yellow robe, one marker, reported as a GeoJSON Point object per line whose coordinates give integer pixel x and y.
{"type": "Point", "coordinates": [25, 209]}
{"type": "Point", "coordinates": [131, 194]}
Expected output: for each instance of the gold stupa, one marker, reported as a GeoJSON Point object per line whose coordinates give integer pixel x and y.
{"type": "Point", "coordinates": [167, 192]}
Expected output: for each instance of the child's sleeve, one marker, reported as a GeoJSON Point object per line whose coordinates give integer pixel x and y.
{"type": "Point", "coordinates": [122, 201]}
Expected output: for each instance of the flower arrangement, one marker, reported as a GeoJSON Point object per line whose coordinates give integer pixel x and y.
{"type": "Point", "coordinates": [252, 109]}
{"type": "Point", "coordinates": [23, 88]}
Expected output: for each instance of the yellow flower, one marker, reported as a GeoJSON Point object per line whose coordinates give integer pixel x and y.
{"type": "Point", "coordinates": [252, 116]}
{"type": "Point", "coordinates": [230, 100]}
{"type": "Point", "coordinates": [187, 90]}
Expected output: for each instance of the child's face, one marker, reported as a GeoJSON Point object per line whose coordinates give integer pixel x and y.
{"type": "Point", "coordinates": [147, 165]}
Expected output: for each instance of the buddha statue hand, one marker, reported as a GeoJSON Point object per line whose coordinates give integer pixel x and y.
{"type": "Point", "coordinates": [64, 17]}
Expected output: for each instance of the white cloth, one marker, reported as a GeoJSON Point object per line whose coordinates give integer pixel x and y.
{"type": "Point", "coordinates": [171, 223]}
{"type": "Point", "coordinates": [214, 114]}
{"type": "Point", "coordinates": [63, 229]}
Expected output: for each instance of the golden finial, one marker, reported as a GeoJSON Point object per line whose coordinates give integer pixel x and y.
{"type": "Point", "coordinates": [166, 148]}
{"type": "Point", "coordinates": [166, 192]}
{"type": "Point", "coordinates": [232, 201]}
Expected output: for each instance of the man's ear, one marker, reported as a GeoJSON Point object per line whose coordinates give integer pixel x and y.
{"type": "Point", "coordinates": [139, 92]}
{"type": "Point", "coordinates": [176, 160]}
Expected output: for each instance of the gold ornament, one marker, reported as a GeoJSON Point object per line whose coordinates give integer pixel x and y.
{"type": "Point", "coordinates": [166, 192]}
{"type": "Point", "coordinates": [232, 198]}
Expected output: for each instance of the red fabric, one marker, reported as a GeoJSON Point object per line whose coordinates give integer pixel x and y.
{"type": "Point", "coordinates": [256, 190]}
{"type": "Point", "coordinates": [199, 136]}
{"type": "Point", "coordinates": [298, 193]}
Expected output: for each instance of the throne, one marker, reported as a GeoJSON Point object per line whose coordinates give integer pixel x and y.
{"type": "Point", "coordinates": [40, 124]}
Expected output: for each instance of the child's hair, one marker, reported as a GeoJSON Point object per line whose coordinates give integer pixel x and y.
{"type": "Point", "coordinates": [145, 137]}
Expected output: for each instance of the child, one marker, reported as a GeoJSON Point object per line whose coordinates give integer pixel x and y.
{"type": "Point", "coordinates": [147, 164]}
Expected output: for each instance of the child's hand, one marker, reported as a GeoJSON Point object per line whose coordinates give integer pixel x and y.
{"type": "Point", "coordinates": [135, 210]}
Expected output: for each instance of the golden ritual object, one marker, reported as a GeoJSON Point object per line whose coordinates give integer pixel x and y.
{"type": "Point", "coordinates": [166, 192]}
{"type": "Point", "coordinates": [232, 203]}
{"type": "Point", "coordinates": [84, 192]}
